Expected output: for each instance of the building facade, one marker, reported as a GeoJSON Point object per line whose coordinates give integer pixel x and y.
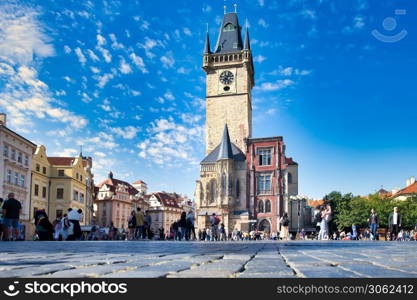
{"type": "Point", "coordinates": [234, 182]}
{"type": "Point", "coordinates": [141, 186]}
{"type": "Point", "coordinates": [15, 169]}
{"type": "Point", "coordinates": [59, 183]}
{"type": "Point", "coordinates": [114, 202]}
{"type": "Point", "coordinates": [164, 210]}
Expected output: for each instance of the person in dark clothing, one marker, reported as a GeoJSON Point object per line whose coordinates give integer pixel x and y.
{"type": "Point", "coordinates": [161, 233]}
{"type": "Point", "coordinates": [176, 231]}
{"type": "Point", "coordinates": [182, 224]}
{"type": "Point", "coordinates": [373, 222]}
{"type": "Point", "coordinates": [11, 212]}
{"type": "Point", "coordinates": [394, 223]}
{"type": "Point", "coordinates": [44, 228]}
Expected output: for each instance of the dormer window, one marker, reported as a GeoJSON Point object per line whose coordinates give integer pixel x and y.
{"type": "Point", "coordinates": [229, 27]}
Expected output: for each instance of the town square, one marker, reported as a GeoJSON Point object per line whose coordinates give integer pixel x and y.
{"type": "Point", "coordinates": [256, 139]}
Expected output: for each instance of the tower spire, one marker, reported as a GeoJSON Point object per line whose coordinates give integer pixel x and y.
{"type": "Point", "coordinates": [246, 46]}
{"type": "Point", "coordinates": [207, 49]}
{"type": "Point", "coordinates": [225, 151]}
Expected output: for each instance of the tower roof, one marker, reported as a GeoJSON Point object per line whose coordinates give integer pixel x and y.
{"type": "Point", "coordinates": [225, 151]}
{"type": "Point", "coordinates": [246, 46]}
{"type": "Point", "coordinates": [207, 49]}
{"type": "Point", "coordinates": [230, 38]}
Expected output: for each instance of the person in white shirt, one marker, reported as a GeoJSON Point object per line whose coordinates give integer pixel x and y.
{"type": "Point", "coordinates": [394, 222]}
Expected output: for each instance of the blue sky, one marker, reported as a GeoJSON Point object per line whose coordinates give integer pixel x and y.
{"type": "Point", "coordinates": [124, 79]}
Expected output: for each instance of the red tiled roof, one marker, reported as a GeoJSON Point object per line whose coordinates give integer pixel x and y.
{"type": "Point", "coordinates": [61, 161]}
{"type": "Point", "coordinates": [290, 161]}
{"type": "Point", "coordinates": [113, 183]}
{"type": "Point", "coordinates": [166, 200]}
{"type": "Point", "coordinates": [315, 203]}
{"type": "Point", "coordinates": [411, 189]}
{"type": "Point", "coordinates": [64, 161]}
{"type": "Point", "coordinates": [139, 182]}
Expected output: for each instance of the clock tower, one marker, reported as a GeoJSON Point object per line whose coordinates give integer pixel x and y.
{"type": "Point", "coordinates": [229, 82]}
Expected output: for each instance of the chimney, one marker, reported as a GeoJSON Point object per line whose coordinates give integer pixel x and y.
{"type": "Point", "coordinates": [408, 182]}
{"type": "Point", "coordinates": [3, 119]}
{"type": "Point", "coordinates": [412, 180]}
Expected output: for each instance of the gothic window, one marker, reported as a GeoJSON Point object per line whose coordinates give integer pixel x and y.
{"type": "Point", "coordinates": [261, 206]}
{"type": "Point", "coordinates": [237, 189]}
{"type": "Point", "coordinates": [289, 178]}
{"type": "Point", "coordinates": [229, 27]}
{"type": "Point", "coordinates": [264, 157]}
{"type": "Point", "coordinates": [223, 184]}
{"type": "Point", "coordinates": [230, 185]}
{"type": "Point", "coordinates": [264, 184]}
{"type": "Point", "coordinates": [201, 192]}
{"type": "Point", "coordinates": [212, 198]}
{"type": "Point", "coordinates": [267, 206]}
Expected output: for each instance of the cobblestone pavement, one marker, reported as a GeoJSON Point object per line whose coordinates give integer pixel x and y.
{"type": "Point", "coordinates": [208, 259]}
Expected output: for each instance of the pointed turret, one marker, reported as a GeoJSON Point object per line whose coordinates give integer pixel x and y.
{"type": "Point", "coordinates": [247, 40]}
{"type": "Point", "coordinates": [207, 49]}
{"type": "Point", "coordinates": [225, 151]}
{"type": "Point", "coordinates": [230, 38]}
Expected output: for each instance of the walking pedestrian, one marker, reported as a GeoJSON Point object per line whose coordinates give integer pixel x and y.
{"type": "Point", "coordinates": [131, 225]}
{"type": "Point", "coordinates": [373, 222]}
{"type": "Point", "coordinates": [285, 222]}
{"type": "Point", "coordinates": [11, 213]}
{"type": "Point", "coordinates": [139, 223]}
{"type": "Point", "coordinates": [190, 225]}
{"type": "Point", "coordinates": [394, 223]}
{"type": "Point", "coordinates": [182, 224]}
{"type": "Point", "coordinates": [74, 217]}
{"type": "Point", "coordinates": [214, 222]}
{"type": "Point", "coordinates": [222, 231]}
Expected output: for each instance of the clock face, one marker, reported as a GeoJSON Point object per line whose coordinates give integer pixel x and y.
{"type": "Point", "coordinates": [226, 77]}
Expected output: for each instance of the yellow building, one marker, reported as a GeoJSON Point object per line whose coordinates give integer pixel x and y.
{"type": "Point", "coordinates": [59, 183]}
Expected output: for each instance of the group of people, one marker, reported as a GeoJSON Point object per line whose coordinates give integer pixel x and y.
{"type": "Point", "coordinates": [183, 229]}
{"type": "Point", "coordinates": [139, 225]}
{"type": "Point", "coordinates": [65, 228]}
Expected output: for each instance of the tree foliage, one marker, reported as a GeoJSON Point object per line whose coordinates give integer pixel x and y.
{"type": "Point", "coordinates": [349, 209]}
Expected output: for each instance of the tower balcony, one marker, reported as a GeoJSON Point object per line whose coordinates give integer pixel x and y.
{"type": "Point", "coordinates": [225, 59]}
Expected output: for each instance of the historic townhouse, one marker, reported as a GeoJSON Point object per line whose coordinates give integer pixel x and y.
{"type": "Point", "coordinates": [15, 169]}
{"type": "Point", "coordinates": [59, 183]}
{"type": "Point", "coordinates": [164, 210]}
{"type": "Point", "coordinates": [114, 202]}
{"type": "Point", "coordinates": [244, 180]}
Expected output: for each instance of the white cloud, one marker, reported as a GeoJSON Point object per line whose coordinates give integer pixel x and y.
{"type": "Point", "coordinates": [206, 8]}
{"type": "Point", "coordinates": [261, 3]}
{"type": "Point", "coordinates": [80, 55]}
{"type": "Point", "coordinates": [115, 45]}
{"type": "Point", "coordinates": [187, 31]}
{"type": "Point", "coordinates": [67, 152]}
{"type": "Point", "coordinates": [168, 60]}
{"type": "Point", "coordinates": [274, 86]}
{"type": "Point", "coordinates": [124, 67]}
{"type": "Point", "coordinates": [92, 55]}
{"type": "Point", "coordinates": [262, 23]}
{"type": "Point", "coordinates": [259, 59]}
{"type": "Point", "coordinates": [22, 36]}
{"type": "Point", "coordinates": [67, 49]}
{"type": "Point", "coordinates": [128, 132]}
{"type": "Point", "coordinates": [104, 79]}
{"type": "Point", "coordinates": [99, 154]}
{"type": "Point", "coordinates": [309, 13]}
{"type": "Point", "coordinates": [169, 96]}
{"type": "Point", "coordinates": [101, 41]}
{"type": "Point", "coordinates": [170, 143]}
{"type": "Point", "coordinates": [138, 61]}
{"type": "Point", "coordinates": [95, 70]}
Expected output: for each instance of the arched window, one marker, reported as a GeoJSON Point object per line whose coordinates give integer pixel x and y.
{"type": "Point", "coordinates": [237, 189]}
{"type": "Point", "coordinates": [265, 226]}
{"type": "Point", "coordinates": [260, 206]}
{"type": "Point", "coordinates": [289, 178]}
{"type": "Point", "coordinates": [212, 198]}
{"type": "Point", "coordinates": [268, 206]}
{"type": "Point", "coordinates": [201, 192]}
{"type": "Point", "coordinates": [223, 183]}
{"type": "Point", "coordinates": [229, 27]}
{"type": "Point", "coordinates": [230, 185]}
